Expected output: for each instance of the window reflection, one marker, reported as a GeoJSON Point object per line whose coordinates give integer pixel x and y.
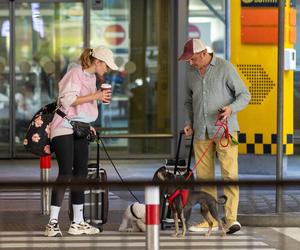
{"type": "Point", "coordinates": [137, 32]}
{"type": "Point", "coordinates": [207, 21]}
{"type": "Point", "coordinates": [48, 39]}
{"type": "Point", "coordinates": [4, 79]}
{"type": "Point", "coordinates": [49, 36]}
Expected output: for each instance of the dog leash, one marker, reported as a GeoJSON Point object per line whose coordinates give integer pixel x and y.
{"type": "Point", "coordinates": [225, 135]}
{"type": "Point", "coordinates": [114, 166]}
{"type": "Point", "coordinates": [220, 123]}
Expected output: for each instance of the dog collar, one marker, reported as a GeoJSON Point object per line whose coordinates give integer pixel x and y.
{"type": "Point", "coordinates": [133, 213]}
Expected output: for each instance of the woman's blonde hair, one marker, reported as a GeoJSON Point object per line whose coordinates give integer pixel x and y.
{"type": "Point", "coordinates": [86, 59]}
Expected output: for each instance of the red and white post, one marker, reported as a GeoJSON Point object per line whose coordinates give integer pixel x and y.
{"type": "Point", "coordinates": [152, 217]}
{"type": "Point", "coordinates": [45, 165]}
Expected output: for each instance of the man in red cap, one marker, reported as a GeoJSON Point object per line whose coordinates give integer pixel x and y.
{"type": "Point", "coordinates": [213, 86]}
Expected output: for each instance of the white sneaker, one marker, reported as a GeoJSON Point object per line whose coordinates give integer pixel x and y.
{"type": "Point", "coordinates": [52, 229]}
{"type": "Point", "coordinates": [233, 227]}
{"type": "Point", "coordinates": [82, 228]}
{"type": "Point", "coordinates": [202, 227]}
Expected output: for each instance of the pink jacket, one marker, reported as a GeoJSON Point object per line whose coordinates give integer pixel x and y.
{"type": "Point", "coordinates": [75, 83]}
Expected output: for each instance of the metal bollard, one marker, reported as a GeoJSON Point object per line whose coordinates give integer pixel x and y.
{"type": "Point", "coordinates": [45, 165]}
{"type": "Point", "coordinates": [152, 217]}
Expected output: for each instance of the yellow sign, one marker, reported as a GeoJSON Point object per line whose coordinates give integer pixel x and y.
{"type": "Point", "coordinates": [257, 66]}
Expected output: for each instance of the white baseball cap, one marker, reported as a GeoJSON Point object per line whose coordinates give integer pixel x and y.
{"type": "Point", "coordinates": [191, 47]}
{"type": "Point", "coordinates": [106, 55]}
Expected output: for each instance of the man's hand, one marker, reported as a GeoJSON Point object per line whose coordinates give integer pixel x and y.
{"type": "Point", "coordinates": [188, 130]}
{"type": "Point", "coordinates": [225, 112]}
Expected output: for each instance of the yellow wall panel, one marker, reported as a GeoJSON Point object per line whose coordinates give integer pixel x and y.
{"type": "Point", "coordinates": [257, 66]}
{"type": "Point", "coordinates": [259, 149]}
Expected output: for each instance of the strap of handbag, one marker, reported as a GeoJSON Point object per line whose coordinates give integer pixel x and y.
{"type": "Point", "coordinates": [62, 114]}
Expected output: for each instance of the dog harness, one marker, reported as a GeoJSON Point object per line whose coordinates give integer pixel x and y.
{"type": "Point", "coordinates": [184, 196]}
{"type": "Point", "coordinates": [133, 213]}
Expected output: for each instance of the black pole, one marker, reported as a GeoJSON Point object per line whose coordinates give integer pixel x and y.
{"type": "Point", "coordinates": [280, 81]}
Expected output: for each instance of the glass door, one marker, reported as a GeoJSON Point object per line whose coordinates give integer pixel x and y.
{"type": "Point", "coordinates": [138, 120]}
{"type": "Point", "coordinates": [48, 37]}
{"type": "Point", "coordinates": [4, 80]}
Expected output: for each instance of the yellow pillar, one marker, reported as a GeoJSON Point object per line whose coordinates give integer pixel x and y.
{"type": "Point", "coordinates": [254, 36]}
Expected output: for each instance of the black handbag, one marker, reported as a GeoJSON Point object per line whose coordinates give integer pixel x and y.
{"type": "Point", "coordinates": [37, 138]}
{"type": "Point", "coordinates": [80, 129]}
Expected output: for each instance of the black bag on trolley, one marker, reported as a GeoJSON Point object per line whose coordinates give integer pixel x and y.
{"type": "Point", "coordinates": [96, 202]}
{"type": "Point", "coordinates": [177, 166]}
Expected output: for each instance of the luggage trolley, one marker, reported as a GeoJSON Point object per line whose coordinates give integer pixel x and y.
{"type": "Point", "coordinates": [179, 167]}
{"type": "Point", "coordinates": [95, 207]}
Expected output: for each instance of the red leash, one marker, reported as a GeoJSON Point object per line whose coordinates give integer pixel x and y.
{"type": "Point", "coordinates": [185, 192]}
{"type": "Point", "coordinates": [221, 124]}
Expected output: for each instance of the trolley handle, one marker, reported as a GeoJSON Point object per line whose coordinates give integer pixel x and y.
{"type": "Point", "coordinates": [98, 154]}
{"type": "Point", "coordinates": [181, 133]}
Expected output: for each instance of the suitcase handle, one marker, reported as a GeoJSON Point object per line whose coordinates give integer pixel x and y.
{"type": "Point", "coordinates": [98, 155]}
{"type": "Point", "coordinates": [190, 152]}
{"type": "Point", "coordinates": [181, 133]}
{"type": "Point", "coordinates": [178, 150]}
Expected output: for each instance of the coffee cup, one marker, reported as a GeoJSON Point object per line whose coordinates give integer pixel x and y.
{"type": "Point", "coordinates": [105, 87]}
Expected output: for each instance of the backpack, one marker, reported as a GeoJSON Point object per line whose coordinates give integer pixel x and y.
{"type": "Point", "coordinates": [37, 138]}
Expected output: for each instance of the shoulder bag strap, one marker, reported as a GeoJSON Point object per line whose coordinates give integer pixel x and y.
{"type": "Point", "coordinates": [62, 114]}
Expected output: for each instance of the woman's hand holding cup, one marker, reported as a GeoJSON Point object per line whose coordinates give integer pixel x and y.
{"type": "Point", "coordinates": [106, 93]}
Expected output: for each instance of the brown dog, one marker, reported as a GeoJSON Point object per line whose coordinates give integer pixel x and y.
{"type": "Point", "coordinates": [207, 202]}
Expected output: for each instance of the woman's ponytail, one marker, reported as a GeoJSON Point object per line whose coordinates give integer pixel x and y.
{"type": "Point", "coordinates": [86, 58]}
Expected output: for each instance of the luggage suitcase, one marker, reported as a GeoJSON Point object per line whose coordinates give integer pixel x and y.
{"type": "Point", "coordinates": [179, 167]}
{"type": "Point", "coordinates": [95, 207]}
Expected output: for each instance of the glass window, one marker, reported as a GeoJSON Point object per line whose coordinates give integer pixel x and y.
{"type": "Point", "coordinates": [4, 79]}
{"type": "Point", "coordinates": [207, 21]}
{"type": "Point", "coordinates": [48, 37]}
{"type": "Point", "coordinates": [137, 32]}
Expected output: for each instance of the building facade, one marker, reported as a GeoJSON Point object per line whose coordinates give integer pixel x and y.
{"type": "Point", "coordinates": [41, 39]}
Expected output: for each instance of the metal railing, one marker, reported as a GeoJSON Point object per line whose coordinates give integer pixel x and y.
{"type": "Point", "coordinates": [150, 240]}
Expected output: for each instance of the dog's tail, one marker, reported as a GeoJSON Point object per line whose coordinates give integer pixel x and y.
{"type": "Point", "coordinates": [222, 200]}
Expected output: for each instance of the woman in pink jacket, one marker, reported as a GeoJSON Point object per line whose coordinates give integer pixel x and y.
{"type": "Point", "coordinates": [78, 98]}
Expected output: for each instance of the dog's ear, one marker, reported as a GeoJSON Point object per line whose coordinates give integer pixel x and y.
{"type": "Point", "coordinates": [160, 170]}
{"type": "Point", "coordinates": [161, 176]}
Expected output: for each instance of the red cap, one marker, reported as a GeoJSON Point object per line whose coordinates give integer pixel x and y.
{"type": "Point", "coordinates": [191, 47]}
